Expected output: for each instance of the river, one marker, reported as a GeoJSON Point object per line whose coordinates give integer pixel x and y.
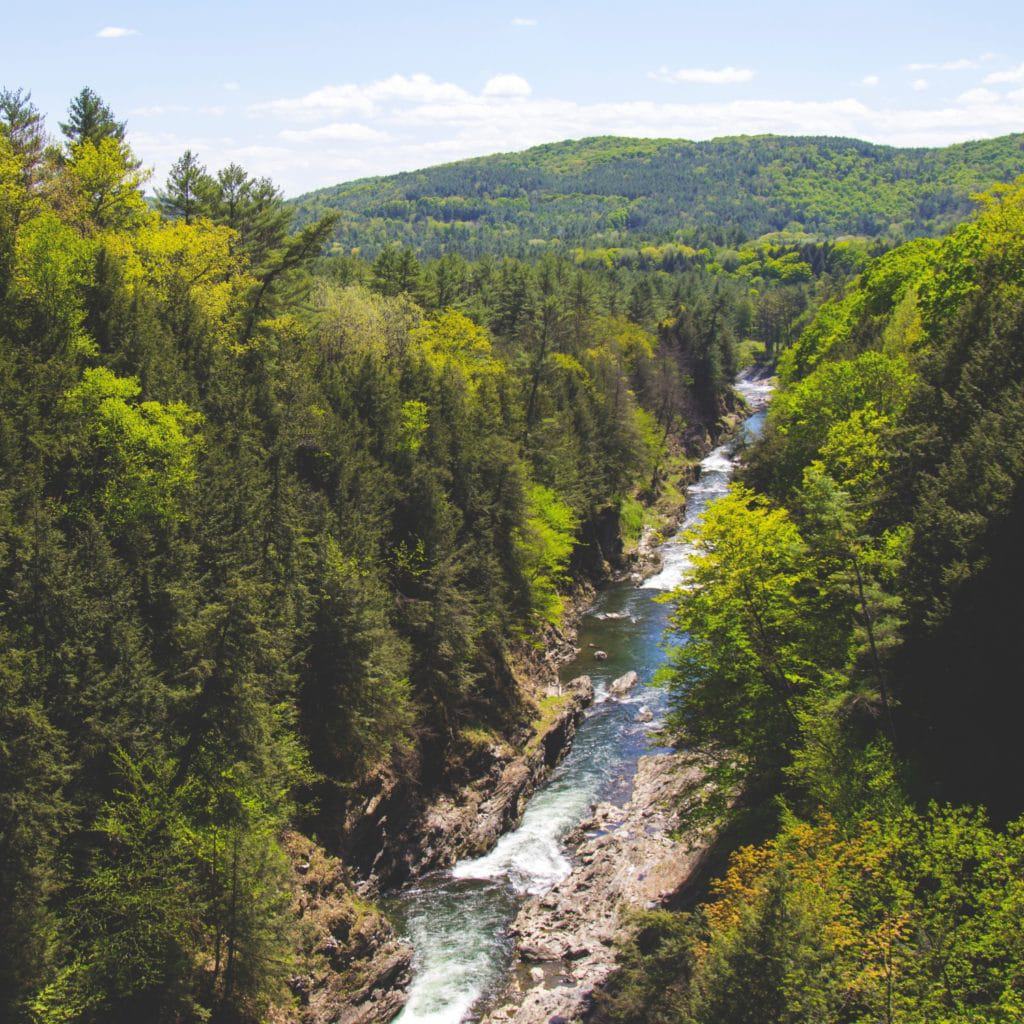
{"type": "Point", "coordinates": [458, 920]}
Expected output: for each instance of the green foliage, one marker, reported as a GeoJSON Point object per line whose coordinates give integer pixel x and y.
{"type": "Point", "coordinates": [137, 457]}
{"type": "Point", "coordinates": [608, 194]}
{"type": "Point", "coordinates": [907, 920]}
{"type": "Point", "coordinates": [545, 542]}
{"type": "Point", "coordinates": [891, 480]}
{"type": "Point", "coordinates": [270, 522]}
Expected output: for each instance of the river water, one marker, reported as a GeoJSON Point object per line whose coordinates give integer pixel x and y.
{"type": "Point", "coordinates": [458, 920]}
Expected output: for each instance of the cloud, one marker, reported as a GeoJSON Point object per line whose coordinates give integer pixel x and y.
{"type": "Point", "coordinates": [344, 131]}
{"type": "Point", "coordinates": [507, 85]}
{"type": "Point", "coordinates": [339, 131]}
{"type": "Point", "coordinates": [919, 84]}
{"type": "Point", "coordinates": [113, 32]}
{"type": "Point", "coordinates": [962, 64]}
{"type": "Point", "coordinates": [871, 80]}
{"type": "Point", "coordinates": [703, 76]}
{"type": "Point", "coordinates": [974, 96]}
{"type": "Point", "coordinates": [232, 86]}
{"type": "Point", "coordinates": [1012, 75]}
{"type": "Point", "coordinates": [214, 111]}
{"type": "Point", "coordinates": [363, 100]}
{"type": "Point", "coordinates": [524, 22]}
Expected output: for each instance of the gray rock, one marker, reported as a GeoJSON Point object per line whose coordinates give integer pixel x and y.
{"type": "Point", "coordinates": [621, 686]}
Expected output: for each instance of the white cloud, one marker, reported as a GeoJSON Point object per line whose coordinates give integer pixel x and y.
{"type": "Point", "coordinates": [325, 137]}
{"type": "Point", "coordinates": [1012, 75]}
{"type": "Point", "coordinates": [338, 131]}
{"type": "Point", "coordinates": [919, 84]}
{"type": "Point", "coordinates": [113, 32]}
{"type": "Point", "coordinates": [703, 76]}
{"type": "Point", "coordinates": [524, 22]}
{"type": "Point", "coordinates": [974, 96]}
{"type": "Point", "coordinates": [507, 85]}
{"type": "Point", "coordinates": [363, 100]}
{"type": "Point", "coordinates": [232, 86]}
{"type": "Point", "coordinates": [214, 111]}
{"type": "Point", "coordinates": [962, 64]}
{"type": "Point", "coordinates": [871, 80]}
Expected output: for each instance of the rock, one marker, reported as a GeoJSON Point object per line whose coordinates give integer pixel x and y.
{"type": "Point", "coordinates": [640, 861]}
{"type": "Point", "coordinates": [353, 967]}
{"type": "Point", "coordinates": [611, 615]}
{"type": "Point", "coordinates": [645, 714]}
{"type": "Point", "coordinates": [601, 655]}
{"type": "Point", "coordinates": [621, 686]}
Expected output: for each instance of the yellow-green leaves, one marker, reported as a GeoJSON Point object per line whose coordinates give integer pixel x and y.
{"type": "Point", "coordinates": [545, 543]}
{"type": "Point", "coordinates": [51, 266]}
{"type": "Point", "coordinates": [452, 339]}
{"type": "Point", "coordinates": [415, 421]}
{"type": "Point", "coordinates": [137, 457]}
{"type": "Point", "coordinates": [107, 185]}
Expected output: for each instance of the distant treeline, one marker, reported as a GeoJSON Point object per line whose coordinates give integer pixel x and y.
{"type": "Point", "coordinates": [621, 192]}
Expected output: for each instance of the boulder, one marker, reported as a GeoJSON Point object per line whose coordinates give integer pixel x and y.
{"type": "Point", "coordinates": [621, 686]}
{"type": "Point", "coordinates": [601, 655]}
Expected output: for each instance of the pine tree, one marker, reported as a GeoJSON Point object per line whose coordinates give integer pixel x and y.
{"type": "Point", "coordinates": [91, 120]}
{"type": "Point", "coordinates": [188, 193]}
{"type": "Point", "coordinates": [22, 125]}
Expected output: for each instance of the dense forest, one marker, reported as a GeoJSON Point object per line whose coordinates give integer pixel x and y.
{"type": "Point", "coordinates": [286, 488]}
{"type": "Point", "coordinates": [852, 666]}
{"type": "Point", "coordinates": [617, 193]}
{"type": "Point", "coordinates": [268, 521]}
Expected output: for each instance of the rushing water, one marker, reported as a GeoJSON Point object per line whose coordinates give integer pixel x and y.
{"type": "Point", "coordinates": [458, 920]}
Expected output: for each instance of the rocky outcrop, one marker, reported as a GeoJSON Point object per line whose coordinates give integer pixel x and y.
{"type": "Point", "coordinates": [624, 858]}
{"type": "Point", "coordinates": [353, 969]}
{"type": "Point", "coordinates": [469, 817]}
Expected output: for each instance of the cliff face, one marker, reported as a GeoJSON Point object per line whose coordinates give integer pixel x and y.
{"type": "Point", "coordinates": [352, 967]}
{"type": "Point", "coordinates": [401, 832]}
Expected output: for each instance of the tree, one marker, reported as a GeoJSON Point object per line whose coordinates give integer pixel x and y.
{"type": "Point", "coordinates": [188, 191]}
{"type": "Point", "coordinates": [750, 646]}
{"type": "Point", "coordinates": [91, 120]}
{"type": "Point", "coordinates": [22, 125]}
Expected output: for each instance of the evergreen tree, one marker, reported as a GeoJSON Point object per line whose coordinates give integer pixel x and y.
{"type": "Point", "coordinates": [188, 191]}
{"type": "Point", "coordinates": [91, 120]}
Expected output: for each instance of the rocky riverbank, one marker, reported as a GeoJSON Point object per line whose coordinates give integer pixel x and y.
{"type": "Point", "coordinates": [624, 858]}
{"type": "Point", "coordinates": [351, 968]}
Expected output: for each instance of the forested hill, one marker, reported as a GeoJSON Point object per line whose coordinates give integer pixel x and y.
{"type": "Point", "coordinates": [612, 191]}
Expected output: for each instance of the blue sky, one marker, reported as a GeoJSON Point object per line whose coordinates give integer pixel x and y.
{"type": "Point", "coordinates": [314, 93]}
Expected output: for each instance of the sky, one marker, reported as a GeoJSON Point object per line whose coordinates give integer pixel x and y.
{"type": "Point", "coordinates": [316, 93]}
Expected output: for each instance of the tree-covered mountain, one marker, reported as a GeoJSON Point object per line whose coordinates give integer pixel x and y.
{"type": "Point", "coordinates": [620, 192]}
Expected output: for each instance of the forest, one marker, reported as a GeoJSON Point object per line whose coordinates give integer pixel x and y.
{"type": "Point", "coordinates": [289, 488]}
{"type": "Point", "coordinates": [851, 666]}
{"type": "Point", "coordinates": [270, 520]}
{"type": "Point", "coordinates": [627, 193]}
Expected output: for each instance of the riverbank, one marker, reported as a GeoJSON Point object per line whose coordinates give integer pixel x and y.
{"type": "Point", "coordinates": [636, 857]}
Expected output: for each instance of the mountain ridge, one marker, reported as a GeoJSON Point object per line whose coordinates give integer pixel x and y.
{"type": "Point", "coordinates": [614, 191]}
